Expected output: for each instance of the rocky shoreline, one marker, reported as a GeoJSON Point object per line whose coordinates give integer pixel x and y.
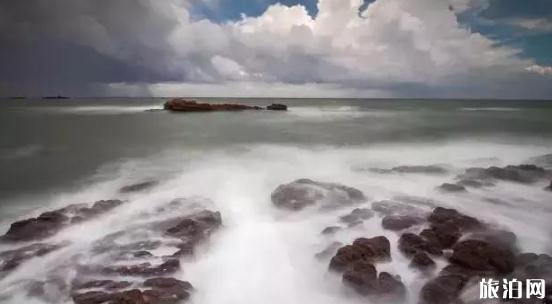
{"type": "Point", "coordinates": [125, 266]}
{"type": "Point", "coordinates": [184, 105]}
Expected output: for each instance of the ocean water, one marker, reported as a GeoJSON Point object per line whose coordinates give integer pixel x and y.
{"type": "Point", "coordinates": [55, 153]}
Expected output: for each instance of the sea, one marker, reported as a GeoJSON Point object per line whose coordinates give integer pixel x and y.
{"type": "Point", "coordinates": [59, 152]}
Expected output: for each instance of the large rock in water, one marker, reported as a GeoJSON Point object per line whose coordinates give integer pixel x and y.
{"type": "Point", "coordinates": [277, 107]}
{"type": "Point", "coordinates": [49, 223]}
{"type": "Point", "coordinates": [305, 192]}
{"type": "Point", "coordinates": [370, 250]}
{"type": "Point", "coordinates": [183, 105]}
{"type": "Point", "coordinates": [483, 256]}
{"type": "Point", "coordinates": [519, 174]}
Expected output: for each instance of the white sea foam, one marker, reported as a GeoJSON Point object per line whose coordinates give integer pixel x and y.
{"type": "Point", "coordinates": [264, 255]}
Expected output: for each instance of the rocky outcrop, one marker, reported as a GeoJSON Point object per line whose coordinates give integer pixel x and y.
{"type": "Point", "coordinates": [305, 192]}
{"type": "Point", "coordinates": [400, 222]}
{"type": "Point", "coordinates": [422, 261]}
{"type": "Point", "coordinates": [388, 207]}
{"type": "Point", "coordinates": [11, 259]}
{"type": "Point", "coordinates": [49, 223]}
{"type": "Point", "coordinates": [371, 250]}
{"type": "Point", "coordinates": [520, 174]}
{"type": "Point", "coordinates": [184, 105]}
{"type": "Point", "coordinates": [356, 216]}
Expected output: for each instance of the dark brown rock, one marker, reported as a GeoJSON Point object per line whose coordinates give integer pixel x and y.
{"type": "Point", "coordinates": [195, 227]}
{"type": "Point", "coordinates": [305, 192]}
{"type": "Point", "coordinates": [363, 249]}
{"type": "Point", "coordinates": [410, 244]}
{"type": "Point", "coordinates": [454, 218]}
{"type": "Point", "coordinates": [92, 297]}
{"type": "Point", "coordinates": [400, 222]}
{"type": "Point", "coordinates": [105, 284]}
{"type": "Point", "coordinates": [442, 290]}
{"type": "Point", "coordinates": [422, 261]}
{"type": "Point", "coordinates": [363, 278]}
{"type": "Point", "coordinates": [483, 256]}
{"type": "Point", "coordinates": [10, 259]}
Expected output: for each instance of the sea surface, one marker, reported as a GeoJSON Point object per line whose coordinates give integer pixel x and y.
{"type": "Point", "coordinates": [59, 152]}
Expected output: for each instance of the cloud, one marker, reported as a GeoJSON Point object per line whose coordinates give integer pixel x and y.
{"type": "Point", "coordinates": [535, 24]}
{"type": "Point", "coordinates": [539, 69]}
{"type": "Point", "coordinates": [389, 47]}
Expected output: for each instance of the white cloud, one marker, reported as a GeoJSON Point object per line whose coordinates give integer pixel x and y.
{"type": "Point", "coordinates": [537, 24]}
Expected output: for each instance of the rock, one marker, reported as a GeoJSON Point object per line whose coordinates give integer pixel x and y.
{"type": "Point", "coordinates": [92, 297]}
{"type": "Point", "coordinates": [443, 216]}
{"type": "Point", "coordinates": [133, 296]}
{"type": "Point", "coordinates": [400, 222]}
{"type": "Point", "coordinates": [49, 223]}
{"type": "Point", "coordinates": [305, 192]}
{"type": "Point", "coordinates": [183, 105]}
{"type": "Point", "coordinates": [474, 183]}
{"type": "Point", "coordinates": [105, 284]}
{"type": "Point", "coordinates": [370, 250]}
{"type": "Point", "coordinates": [387, 207]}
{"type": "Point", "coordinates": [331, 230]}
{"type": "Point", "coordinates": [447, 187]}
{"type": "Point", "coordinates": [483, 256]}
{"type": "Point", "coordinates": [444, 289]}
{"type": "Point", "coordinates": [10, 259]}
{"type": "Point", "coordinates": [422, 261]}
{"type": "Point", "coordinates": [329, 251]}
{"type": "Point", "coordinates": [357, 215]}
{"type": "Point", "coordinates": [549, 188]}
{"type": "Point", "coordinates": [519, 174]}
{"type": "Point", "coordinates": [441, 236]}
{"type": "Point", "coordinates": [391, 287]}
{"type": "Point", "coordinates": [277, 107]}
{"type": "Point", "coordinates": [167, 283]}
{"type": "Point", "coordinates": [420, 169]}
{"type": "Point", "coordinates": [144, 269]}
{"type": "Point", "coordinates": [363, 278]}
{"type": "Point", "coordinates": [196, 227]}
{"type": "Point", "coordinates": [51, 290]}
{"type": "Point", "coordinates": [138, 187]}
{"type": "Point", "coordinates": [411, 244]}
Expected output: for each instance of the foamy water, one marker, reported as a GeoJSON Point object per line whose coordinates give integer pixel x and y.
{"type": "Point", "coordinates": [266, 255]}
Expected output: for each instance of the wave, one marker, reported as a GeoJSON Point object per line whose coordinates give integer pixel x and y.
{"type": "Point", "coordinates": [497, 109]}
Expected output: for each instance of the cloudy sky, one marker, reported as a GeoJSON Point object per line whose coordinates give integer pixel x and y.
{"type": "Point", "coordinates": [287, 48]}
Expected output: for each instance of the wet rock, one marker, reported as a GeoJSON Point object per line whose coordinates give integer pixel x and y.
{"type": "Point", "coordinates": [443, 216]}
{"type": "Point", "coordinates": [370, 250]}
{"type": "Point", "coordinates": [357, 215]}
{"type": "Point", "coordinates": [387, 207]}
{"type": "Point", "coordinates": [196, 227]}
{"type": "Point", "coordinates": [544, 160]}
{"type": "Point", "coordinates": [533, 266]}
{"type": "Point", "coordinates": [138, 187]}
{"type": "Point", "coordinates": [10, 259]}
{"type": "Point", "coordinates": [145, 269]}
{"type": "Point", "coordinates": [433, 169]}
{"type": "Point", "coordinates": [183, 105]}
{"type": "Point", "coordinates": [305, 192]}
{"type": "Point", "coordinates": [49, 223]}
{"type": "Point", "coordinates": [400, 222]}
{"type": "Point", "coordinates": [331, 230]}
{"type": "Point", "coordinates": [447, 187]}
{"type": "Point", "coordinates": [133, 296]}
{"type": "Point", "coordinates": [411, 244]}
{"type": "Point", "coordinates": [474, 183]}
{"type": "Point", "coordinates": [519, 174]}
{"type": "Point", "coordinates": [422, 261]}
{"type": "Point", "coordinates": [277, 107]}
{"type": "Point", "coordinates": [52, 289]}
{"type": "Point", "coordinates": [549, 188]}
{"type": "Point", "coordinates": [441, 236]}
{"type": "Point", "coordinates": [444, 289]}
{"type": "Point", "coordinates": [330, 251]}
{"type": "Point", "coordinates": [362, 276]}
{"type": "Point", "coordinates": [92, 297]}
{"type": "Point", "coordinates": [104, 284]}
{"type": "Point", "coordinates": [483, 256]}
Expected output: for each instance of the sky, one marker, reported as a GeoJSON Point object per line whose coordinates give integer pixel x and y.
{"type": "Point", "coordinates": [268, 48]}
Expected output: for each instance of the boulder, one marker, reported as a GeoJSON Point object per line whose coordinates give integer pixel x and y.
{"type": "Point", "coordinates": [362, 276]}
{"type": "Point", "coordinates": [357, 215]}
{"type": "Point", "coordinates": [400, 222]}
{"type": "Point", "coordinates": [370, 250]}
{"type": "Point", "coordinates": [443, 216]}
{"type": "Point", "coordinates": [443, 289]}
{"type": "Point", "coordinates": [305, 192]}
{"type": "Point", "coordinates": [277, 107]}
{"type": "Point", "coordinates": [447, 187]}
{"type": "Point", "coordinates": [104, 284]}
{"type": "Point", "coordinates": [483, 256]}
{"type": "Point", "coordinates": [11, 259]}
{"type": "Point", "coordinates": [388, 207]}
{"type": "Point", "coordinates": [411, 244]}
{"type": "Point", "coordinates": [331, 230]}
{"type": "Point", "coordinates": [432, 169]}
{"type": "Point", "coordinates": [549, 188]}
{"type": "Point", "coordinates": [422, 261]}
{"type": "Point", "coordinates": [196, 226]}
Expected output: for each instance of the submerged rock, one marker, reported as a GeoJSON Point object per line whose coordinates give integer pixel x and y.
{"type": "Point", "coordinates": [388, 207]}
{"type": "Point", "coordinates": [432, 169]}
{"type": "Point", "coordinates": [411, 244]}
{"type": "Point", "coordinates": [443, 289]}
{"type": "Point", "coordinates": [483, 256]}
{"type": "Point", "coordinates": [520, 174]}
{"type": "Point", "coordinates": [138, 187]}
{"type": "Point", "coordinates": [549, 188]}
{"type": "Point", "coordinates": [422, 261]}
{"type": "Point", "coordinates": [357, 215]}
{"type": "Point", "coordinates": [329, 251]}
{"type": "Point", "coordinates": [400, 222]}
{"type": "Point", "coordinates": [11, 259]}
{"type": "Point", "coordinates": [331, 230]}
{"type": "Point", "coordinates": [371, 250]}
{"type": "Point", "coordinates": [305, 192]}
{"type": "Point", "coordinates": [277, 107]}
{"type": "Point", "coordinates": [447, 187]}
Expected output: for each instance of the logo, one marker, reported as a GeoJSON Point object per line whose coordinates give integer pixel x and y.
{"type": "Point", "coordinates": [511, 289]}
